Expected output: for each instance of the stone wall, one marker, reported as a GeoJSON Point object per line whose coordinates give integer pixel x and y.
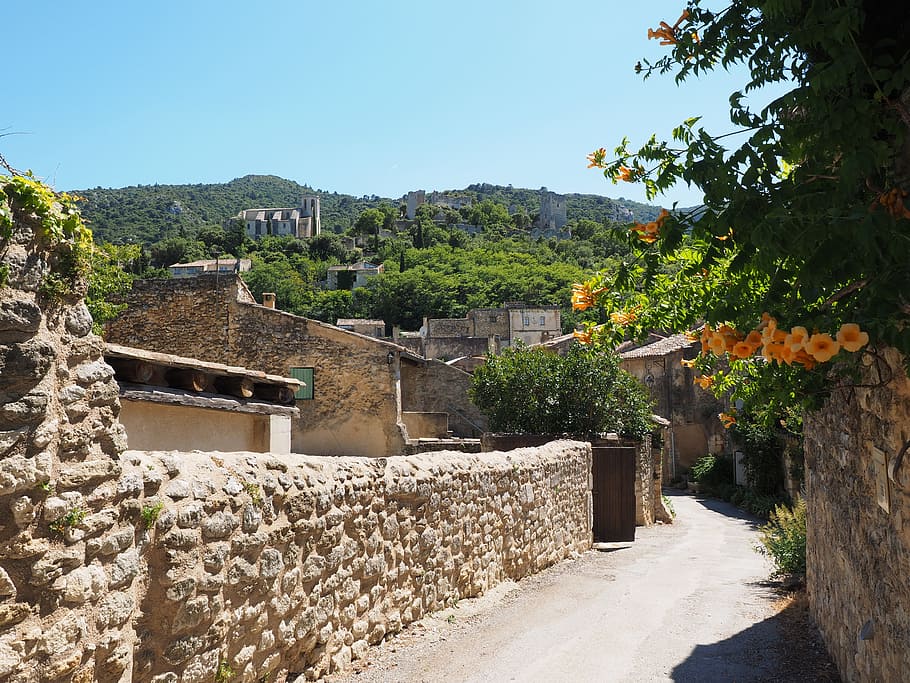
{"type": "Point", "coordinates": [299, 564]}
{"type": "Point", "coordinates": [268, 565]}
{"type": "Point", "coordinates": [437, 387]}
{"type": "Point", "coordinates": [356, 405]}
{"type": "Point", "coordinates": [65, 598]}
{"type": "Point", "coordinates": [648, 467]}
{"type": "Point", "coordinates": [449, 327]}
{"type": "Point", "coordinates": [449, 348]}
{"type": "Point", "coordinates": [489, 322]}
{"type": "Point", "coordinates": [858, 552]}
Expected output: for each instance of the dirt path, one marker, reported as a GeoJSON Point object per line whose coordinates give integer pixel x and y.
{"type": "Point", "coordinates": [687, 602]}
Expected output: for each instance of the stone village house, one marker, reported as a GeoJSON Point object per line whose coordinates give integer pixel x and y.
{"type": "Point", "coordinates": [694, 428]}
{"type": "Point", "coordinates": [364, 396]}
{"type": "Point", "coordinates": [485, 330]}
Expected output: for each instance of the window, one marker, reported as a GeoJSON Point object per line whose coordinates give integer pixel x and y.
{"type": "Point", "coordinates": [543, 320]}
{"type": "Point", "coordinates": [305, 375]}
{"type": "Point", "coordinates": [526, 320]}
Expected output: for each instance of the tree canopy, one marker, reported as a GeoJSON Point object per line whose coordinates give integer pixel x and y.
{"type": "Point", "coordinates": [804, 215]}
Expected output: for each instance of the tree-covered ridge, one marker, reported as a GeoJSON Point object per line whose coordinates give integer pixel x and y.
{"type": "Point", "coordinates": [591, 207]}
{"type": "Point", "coordinates": [147, 214]}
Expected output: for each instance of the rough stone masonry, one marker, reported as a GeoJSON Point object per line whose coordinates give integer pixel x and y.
{"type": "Point", "coordinates": [186, 567]}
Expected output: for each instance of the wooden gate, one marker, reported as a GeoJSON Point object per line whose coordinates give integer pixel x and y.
{"type": "Point", "coordinates": [613, 477]}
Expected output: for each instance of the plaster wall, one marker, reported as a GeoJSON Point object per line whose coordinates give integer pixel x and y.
{"type": "Point", "coordinates": [426, 425]}
{"type": "Point", "coordinates": [155, 426]}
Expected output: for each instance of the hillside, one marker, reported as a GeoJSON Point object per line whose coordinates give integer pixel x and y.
{"type": "Point", "coordinates": [148, 213]}
{"type": "Point", "coordinates": [592, 207]}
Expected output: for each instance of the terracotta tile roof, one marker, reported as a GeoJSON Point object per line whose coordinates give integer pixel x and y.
{"type": "Point", "coordinates": [661, 347]}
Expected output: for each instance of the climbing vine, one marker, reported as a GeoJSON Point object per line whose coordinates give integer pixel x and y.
{"type": "Point", "coordinates": [804, 220]}
{"type": "Point", "coordinates": [59, 227]}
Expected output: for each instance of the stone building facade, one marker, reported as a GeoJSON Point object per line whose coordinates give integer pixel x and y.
{"type": "Point", "coordinates": [301, 221]}
{"type": "Point", "coordinates": [357, 389]}
{"type": "Point", "coordinates": [437, 387]}
{"type": "Point", "coordinates": [486, 330]}
{"type": "Point", "coordinates": [355, 409]}
{"type": "Point", "coordinates": [858, 509]}
{"type": "Point", "coordinates": [694, 427]}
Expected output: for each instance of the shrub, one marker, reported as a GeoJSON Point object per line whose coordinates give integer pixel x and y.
{"type": "Point", "coordinates": [714, 474]}
{"type": "Point", "coordinates": [669, 505]}
{"type": "Point", "coordinates": [583, 393]}
{"type": "Point", "coordinates": [150, 514]}
{"type": "Point", "coordinates": [783, 538]}
{"type": "Point", "coordinates": [763, 459]}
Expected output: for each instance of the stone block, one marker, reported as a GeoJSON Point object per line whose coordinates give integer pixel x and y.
{"type": "Point", "coordinates": [220, 525]}
{"type": "Point", "coordinates": [114, 609]}
{"type": "Point", "coordinates": [124, 568]}
{"type": "Point", "coordinates": [77, 475]}
{"type": "Point", "coordinates": [81, 585]}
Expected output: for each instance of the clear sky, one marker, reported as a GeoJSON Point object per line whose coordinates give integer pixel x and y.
{"type": "Point", "coordinates": [355, 97]}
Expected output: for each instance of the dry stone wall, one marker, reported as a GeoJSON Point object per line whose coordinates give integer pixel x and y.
{"type": "Point", "coordinates": [297, 564]}
{"type": "Point", "coordinates": [66, 596]}
{"type": "Point", "coordinates": [858, 551]}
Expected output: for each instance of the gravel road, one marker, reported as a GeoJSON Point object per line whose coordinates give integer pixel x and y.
{"type": "Point", "coordinates": [684, 602]}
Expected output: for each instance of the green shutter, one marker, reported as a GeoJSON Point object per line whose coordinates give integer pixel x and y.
{"type": "Point", "coordinates": [305, 375]}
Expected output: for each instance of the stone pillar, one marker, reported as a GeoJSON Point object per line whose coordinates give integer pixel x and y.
{"type": "Point", "coordinates": [67, 560]}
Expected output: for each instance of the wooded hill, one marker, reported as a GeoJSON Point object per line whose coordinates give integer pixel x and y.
{"type": "Point", "coordinates": [148, 213]}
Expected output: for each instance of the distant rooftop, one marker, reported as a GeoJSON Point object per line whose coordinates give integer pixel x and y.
{"type": "Point", "coordinates": [654, 349]}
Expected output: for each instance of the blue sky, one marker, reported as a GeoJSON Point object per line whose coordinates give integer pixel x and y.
{"type": "Point", "coordinates": [354, 97]}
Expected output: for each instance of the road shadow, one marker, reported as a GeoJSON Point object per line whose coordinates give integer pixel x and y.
{"type": "Point", "coordinates": [784, 648]}
{"type": "Point", "coordinates": [611, 546]}
{"type": "Point", "coordinates": [719, 506]}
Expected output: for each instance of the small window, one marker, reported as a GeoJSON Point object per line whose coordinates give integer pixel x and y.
{"type": "Point", "coordinates": [527, 321]}
{"type": "Point", "coordinates": [543, 320]}
{"type": "Point", "coordinates": [493, 318]}
{"type": "Point", "coordinates": [305, 375]}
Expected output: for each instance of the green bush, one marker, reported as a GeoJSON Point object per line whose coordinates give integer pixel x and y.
{"type": "Point", "coordinates": [783, 538]}
{"type": "Point", "coordinates": [714, 474]}
{"type": "Point", "coordinates": [582, 393]}
{"type": "Point", "coordinates": [763, 449]}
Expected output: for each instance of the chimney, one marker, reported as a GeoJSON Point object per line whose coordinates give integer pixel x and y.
{"type": "Point", "coordinates": [268, 299]}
